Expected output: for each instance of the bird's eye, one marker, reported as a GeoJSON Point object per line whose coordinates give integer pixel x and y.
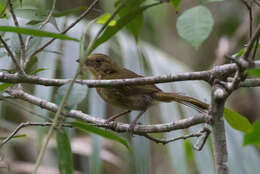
{"type": "Point", "coordinates": [99, 60]}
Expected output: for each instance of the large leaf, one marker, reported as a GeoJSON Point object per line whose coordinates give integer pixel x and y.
{"type": "Point", "coordinates": [195, 25]}
{"type": "Point", "coordinates": [124, 20]}
{"type": "Point", "coordinates": [237, 121]}
{"type": "Point", "coordinates": [35, 32]}
{"type": "Point", "coordinates": [135, 25]}
{"type": "Point", "coordinates": [104, 133]}
{"type": "Point", "coordinates": [64, 152]}
{"type": "Point", "coordinates": [253, 137]}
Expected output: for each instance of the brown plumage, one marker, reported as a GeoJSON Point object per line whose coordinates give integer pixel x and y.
{"type": "Point", "coordinates": [131, 97]}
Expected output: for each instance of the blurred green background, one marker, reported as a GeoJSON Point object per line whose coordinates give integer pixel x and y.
{"type": "Point", "coordinates": [159, 50]}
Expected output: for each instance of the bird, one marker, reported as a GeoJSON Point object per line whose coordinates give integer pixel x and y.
{"type": "Point", "coordinates": [130, 97]}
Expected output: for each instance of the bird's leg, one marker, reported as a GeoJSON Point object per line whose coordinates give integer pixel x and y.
{"type": "Point", "coordinates": [133, 123]}
{"type": "Point", "coordinates": [113, 117]}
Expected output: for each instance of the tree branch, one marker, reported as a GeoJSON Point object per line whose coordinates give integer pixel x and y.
{"type": "Point", "coordinates": [183, 137]}
{"type": "Point", "coordinates": [207, 76]}
{"type": "Point", "coordinates": [115, 126]}
{"type": "Point", "coordinates": [22, 125]}
{"type": "Point", "coordinates": [219, 96]}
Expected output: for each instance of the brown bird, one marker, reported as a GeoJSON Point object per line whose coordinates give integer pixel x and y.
{"type": "Point", "coordinates": [130, 97]}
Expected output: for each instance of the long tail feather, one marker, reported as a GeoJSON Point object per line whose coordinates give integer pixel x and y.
{"type": "Point", "coordinates": [188, 101]}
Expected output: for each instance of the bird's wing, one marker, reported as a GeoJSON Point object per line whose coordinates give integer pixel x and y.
{"type": "Point", "coordinates": [136, 89]}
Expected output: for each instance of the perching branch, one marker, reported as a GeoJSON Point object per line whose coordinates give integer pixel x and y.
{"type": "Point", "coordinates": [207, 76]}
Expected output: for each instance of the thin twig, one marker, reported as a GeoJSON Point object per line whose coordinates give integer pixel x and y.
{"type": "Point", "coordinates": [40, 27]}
{"type": "Point", "coordinates": [255, 50]}
{"type": "Point", "coordinates": [22, 56]}
{"type": "Point", "coordinates": [166, 141]}
{"type": "Point", "coordinates": [18, 67]}
{"type": "Point", "coordinates": [26, 124]}
{"type": "Point", "coordinates": [251, 43]}
{"type": "Point", "coordinates": [202, 139]}
{"type": "Point", "coordinates": [84, 14]}
{"type": "Point", "coordinates": [250, 13]}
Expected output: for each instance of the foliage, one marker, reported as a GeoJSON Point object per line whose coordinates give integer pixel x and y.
{"type": "Point", "coordinates": [194, 26]}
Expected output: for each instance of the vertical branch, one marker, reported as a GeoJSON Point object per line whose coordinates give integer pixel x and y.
{"type": "Point", "coordinates": [22, 56]}
{"type": "Point", "coordinates": [218, 129]}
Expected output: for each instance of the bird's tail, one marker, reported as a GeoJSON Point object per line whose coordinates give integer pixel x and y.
{"type": "Point", "coordinates": [188, 101]}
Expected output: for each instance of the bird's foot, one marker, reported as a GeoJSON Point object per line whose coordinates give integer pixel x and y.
{"type": "Point", "coordinates": [109, 120]}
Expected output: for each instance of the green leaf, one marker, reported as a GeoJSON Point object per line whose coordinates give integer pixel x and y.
{"type": "Point", "coordinates": [35, 32]}
{"type": "Point", "coordinates": [32, 14]}
{"type": "Point", "coordinates": [31, 65]}
{"type": "Point", "coordinates": [76, 96]}
{"type": "Point", "coordinates": [254, 72]}
{"type": "Point", "coordinates": [238, 54]}
{"type": "Point", "coordinates": [64, 152]}
{"type": "Point", "coordinates": [33, 22]}
{"type": "Point", "coordinates": [1, 9]}
{"type": "Point", "coordinates": [16, 136]}
{"type": "Point", "coordinates": [237, 121]}
{"type": "Point", "coordinates": [104, 133]}
{"type": "Point", "coordinates": [103, 19]}
{"type": "Point", "coordinates": [35, 15]}
{"type": "Point", "coordinates": [189, 154]}
{"type": "Point", "coordinates": [123, 21]}
{"type": "Point", "coordinates": [4, 86]}
{"type": "Point", "coordinates": [253, 137]}
{"type": "Point", "coordinates": [175, 4]}
{"type": "Point", "coordinates": [38, 70]}
{"type": "Point", "coordinates": [136, 24]}
{"type": "Point", "coordinates": [195, 25]}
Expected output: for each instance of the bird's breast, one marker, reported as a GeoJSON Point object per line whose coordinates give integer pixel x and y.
{"type": "Point", "coordinates": [121, 99]}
